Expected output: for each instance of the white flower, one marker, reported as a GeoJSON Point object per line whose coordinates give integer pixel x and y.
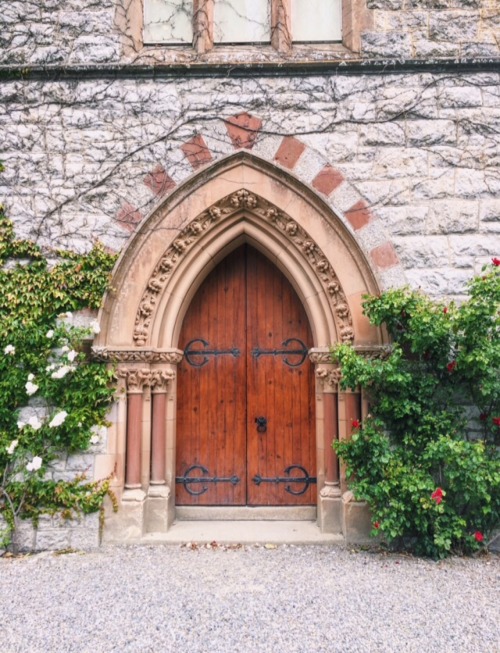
{"type": "Point", "coordinates": [50, 333]}
{"type": "Point", "coordinates": [35, 464]}
{"type": "Point", "coordinates": [50, 367]}
{"type": "Point", "coordinates": [95, 439]}
{"type": "Point", "coordinates": [12, 446]}
{"type": "Point", "coordinates": [21, 424]}
{"type": "Point", "coordinates": [61, 372]}
{"type": "Point", "coordinates": [31, 377]}
{"type": "Point", "coordinates": [72, 355]}
{"type": "Point", "coordinates": [31, 388]}
{"type": "Point", "coordinates": [58, 419]}
{"type": "Point", "coordinates": [65, 348]}
{"type": "Point", "coordinates": [95, 327]}
{"type": "Point", "coordinates": [10, 350]}
{"type": "Point", "coordinates": [35, 423]}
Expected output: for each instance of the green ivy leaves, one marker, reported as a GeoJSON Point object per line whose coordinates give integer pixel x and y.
{"type": "Point", "coordinates": [37, 347]}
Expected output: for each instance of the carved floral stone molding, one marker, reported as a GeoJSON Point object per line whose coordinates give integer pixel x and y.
{"type": "Point", "coordinates": [135, 378]}
{"type": "Point", "coordinates": [103, 354]}
{"type": "Point", "coordinates": [329, 377]}
{"type": "Point", "coordinates": [160, 380]}
{"type": "Point", "coordinates": [204, 222]}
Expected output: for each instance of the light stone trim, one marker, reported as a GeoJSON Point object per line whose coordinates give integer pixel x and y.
{"type": "Point", "coordinates": [105, 355]}
{"type": "Point", "coordinates": [203, 223]}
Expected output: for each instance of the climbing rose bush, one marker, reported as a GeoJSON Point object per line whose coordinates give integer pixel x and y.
{"type": "Point", "coordinates": [426, 459]}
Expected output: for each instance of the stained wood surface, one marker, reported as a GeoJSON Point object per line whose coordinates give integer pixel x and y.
{"type": "Point", "coordinates": [245, 303]}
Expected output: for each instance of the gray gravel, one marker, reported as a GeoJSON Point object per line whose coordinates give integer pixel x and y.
{"type": "Point", "coordinates": [289, 599]}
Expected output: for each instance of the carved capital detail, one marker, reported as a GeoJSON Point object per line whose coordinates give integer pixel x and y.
{"type": "Point", "coordinates": [293, 232]}
{"type": "Point", "coordinates": [329, 377]}
{"type": "Point", "coordinates": [160, 380]}
{"type": "Point", "coordinates": [135, 378]}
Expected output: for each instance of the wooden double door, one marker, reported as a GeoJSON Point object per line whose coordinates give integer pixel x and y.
{"type": "Point", "coordinates": [245, 421]}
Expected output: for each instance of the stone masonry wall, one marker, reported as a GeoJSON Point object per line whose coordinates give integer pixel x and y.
{"type": "Point", "coordinates": [104, 31]}
{"type": "Point", "coordinates": [90, 159]}
{"type": "Point", "coordinates": [409, 162]}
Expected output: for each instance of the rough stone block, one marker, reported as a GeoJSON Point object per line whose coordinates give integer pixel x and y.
{"type": "Point", "coordinates": [422, 133]}
{"type": "Point", "coordinates": [453, 216]}
{"type": "Point", "coordinates": [460, 96]}
{"type": "Point", "coordinates": [393, 44]}
{"type": "Point", "coordinates": [52, 539]}
{"type": "Point", "coordinates": [23, 538]}
{"type": "Point", "coordinates": [456, 27]}
{"type": "Point", "coordinates": [85, 537]}
{"type": "Point", "coordinates": [403, 220]}
{"type": "Point", "coordinates": [126, 525]}
{"type": "Point", "coordinates": [422, 252]}
{"type": "Point", "coordinates": [357, 523]}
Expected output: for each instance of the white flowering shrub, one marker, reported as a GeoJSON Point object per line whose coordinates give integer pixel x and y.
{"type": "Point", "coordinates": [45, 374]}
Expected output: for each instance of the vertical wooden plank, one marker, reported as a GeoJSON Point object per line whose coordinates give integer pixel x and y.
{"type": "Point", "coordinates": [284, 392]}
{"type": "Point", "coordinates": [211, 424]}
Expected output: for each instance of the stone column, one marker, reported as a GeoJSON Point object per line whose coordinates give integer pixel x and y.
{"type": "Point", "coordinates": [349, 415]}
{"type": "Point", "coordinates": [160, 380]}
{"type": "Point", "coordinates": [330, 508]}
{"type": "Point", "coordinates": [203, 30]}
{"type": "Point", "coordinates": [281, 29]}
{"type": "Point", "coordinates": [135, 379]}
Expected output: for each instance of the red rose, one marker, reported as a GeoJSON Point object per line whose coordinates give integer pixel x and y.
{"type": "Point", "coordinates": [445, 310]}
{"type": "Point", "coordinates": [376, 525]}
{"type": "Point", "coordinates": [437, 495]}
{"type": "Point", "coordinates": [451, 366]}
{"type": "Point", "coordinates": [478, 536]}
{"type": "Point", "coordinates": [483, 417]}
{"type": "Point", "coordinates": [356, 424]}
{"type": "Point", "coordinates": [495, 261]}
{"type": "Point", "coordinates": [496, 421]}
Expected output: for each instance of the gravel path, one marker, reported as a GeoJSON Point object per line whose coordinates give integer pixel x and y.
{"type": "Point", "coordinates": [249, 600]}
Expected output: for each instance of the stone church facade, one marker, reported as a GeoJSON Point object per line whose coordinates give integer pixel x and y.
{"type": "Point", "coordinates": [336, 166]}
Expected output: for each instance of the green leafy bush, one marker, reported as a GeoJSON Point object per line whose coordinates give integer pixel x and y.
{"type": "Point", "coordinates": [426, 459]}
{"type": "Point", "coordinates": [51, 396]}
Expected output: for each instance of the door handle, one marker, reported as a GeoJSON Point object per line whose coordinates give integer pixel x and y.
{"type": "Point", "coordinates": [261, 424]}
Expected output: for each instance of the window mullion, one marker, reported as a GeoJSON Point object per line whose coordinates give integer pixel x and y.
{"type": "Point", "coordinates": [203, 25]}
{"type": "Point", "coordinates": [281, 38]}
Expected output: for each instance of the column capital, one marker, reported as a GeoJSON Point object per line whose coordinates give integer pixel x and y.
{"type": "Point", "coordinates": [135, 378]}
{"type": "Point", "coordinates": [329, 376]}
{"type": "Point", "coordinates": [160, 380]}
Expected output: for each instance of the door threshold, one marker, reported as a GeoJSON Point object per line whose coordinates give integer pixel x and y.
{"type": "Point", "coordinates": [246, 513]}
{"type": "Point", "coordinates": [244, 533]}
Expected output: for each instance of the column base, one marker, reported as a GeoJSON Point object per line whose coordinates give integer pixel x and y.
{"type": "Point", "coordinates": [330, 510]}
{"type": "Point", "coordinates": [157, 509]}
{"type": "Point", "coordinates": [126, 525]}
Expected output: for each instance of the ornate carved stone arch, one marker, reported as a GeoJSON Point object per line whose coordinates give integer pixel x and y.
{"type": "Point", "coordinates": [239, 199]}
{"type": "Point", "coordinates": [241, 207]}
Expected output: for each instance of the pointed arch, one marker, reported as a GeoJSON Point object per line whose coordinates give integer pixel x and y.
{"type": "Point", "coordinates": [240, 198]}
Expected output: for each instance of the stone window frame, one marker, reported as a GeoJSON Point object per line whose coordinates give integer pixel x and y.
{"type": "Point", "coordinates": [129, 19]}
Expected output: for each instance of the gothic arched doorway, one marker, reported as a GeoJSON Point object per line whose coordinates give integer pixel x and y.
{"type": "Point", "coordinates": [245, 415]}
